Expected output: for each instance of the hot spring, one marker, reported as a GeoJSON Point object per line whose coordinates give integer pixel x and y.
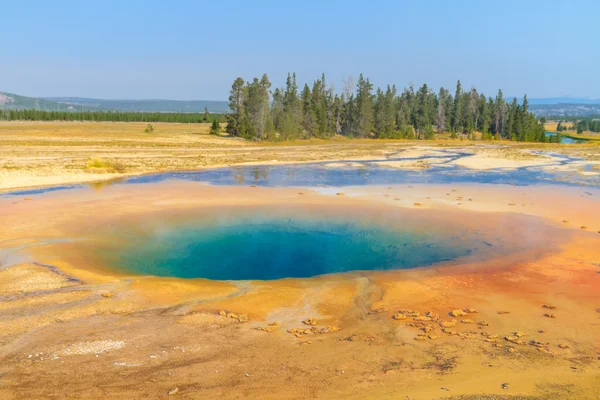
{"type": "Point", "coordinates": [257, 245]}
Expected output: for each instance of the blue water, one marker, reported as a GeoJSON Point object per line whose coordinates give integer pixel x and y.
{"type": "Point", "coordinates": [263, 248]}
{"type": "Point", "coordinates": [319, 174]}
{"type": "Point", "coordinates": [566, 140]}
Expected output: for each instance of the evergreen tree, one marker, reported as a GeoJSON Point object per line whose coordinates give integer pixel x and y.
{"type": "Point", "coordinates": [441, 112]}
{"type": "Point", "coordinates": [215, 128]}
{"type": "Point", "coordinates": [458, 106]}
{"type": "Point", "coordinates": [237, 98]}
{"type": "Point", "coordinates": [364, 108]}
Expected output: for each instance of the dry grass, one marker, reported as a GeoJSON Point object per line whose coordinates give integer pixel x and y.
{"type": "Point", "coordinates": [45, 153]}
{"type": "Point", "coordinates": [589, 135]}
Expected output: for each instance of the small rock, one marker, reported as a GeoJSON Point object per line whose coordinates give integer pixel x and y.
{"type": "Point", "coordinates": [107, 295]}
{"type": "Point", "coordinates": [246, 375]}
{"type": "Point", "coordinates": [173, 392]}
{"type": "Point", "coordinates": [233, 315]}
{"type": "Point", "coordinates": [457, 313]}
{"type": "Point", "coordinates": [503, 312]}
{"type": "Point", "coordinates": [310, 321]}
{"type": "Point", "coordinates": [339, 194]}
{"type": "Point", "coordinates": [378, 310]}
{"type": "Point", "coordinates": [563, 346]}
{"type": "Point", "coordinates": [270, 328]}
{"type": "Point", "coordinates": [505, 386]}
{"type": "Point", "coordinates": [399, 316]}
{"type": "Point", "coordinates": [223, 313]}
{"type": "Point", "coordinates": [243, 318]}
{"type": "Point", "coordinates": [448, 324]}
{"type": "Point", "coordinates": [409, 313]}
{"type": "Point", "coordinates": [550, 315]}
{"type": "Point", "coordinates": [549, 306]}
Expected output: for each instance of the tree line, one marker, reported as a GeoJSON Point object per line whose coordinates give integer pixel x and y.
{"type": "Point", "coordinates": [106, 116]}
{"type": "Point", "coordinates": [588, 124]}
{"type": "Point", "coordinates": [361, 111]}
{"type": "Point", "coordinates": [580, 124]}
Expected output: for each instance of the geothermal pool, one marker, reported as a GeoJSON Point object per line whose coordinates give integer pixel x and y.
{"type": "Point", "coordinates": [263, 248]}
{"type": "Point", "coordinates": [267, 243]}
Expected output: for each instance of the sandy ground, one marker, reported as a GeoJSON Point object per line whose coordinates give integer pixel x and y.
{"type": "Point", "coordinates": [523, 324]}
{"type": "Point", "coordinates": [51, 153]}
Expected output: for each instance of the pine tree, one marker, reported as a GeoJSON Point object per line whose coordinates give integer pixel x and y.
{"type": "Point", "coordinates": [364, 108]}
{"type": "Point", "coordinates": [441, 112]}
{"type": "Point", "coordinates": [499, 114]}
{"type": "Point", "coordinates": [237, 98]}
{"type": "Point", "coordinates": [457, 107]}
{"type": "Point", "coordinates": [215, 128]}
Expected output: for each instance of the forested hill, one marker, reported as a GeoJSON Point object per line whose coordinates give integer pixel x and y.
{"type": "Point", "coordinates": [259, 112]}
{"type": "Point", "coordinates": [146, 105]}
{"type": "Point", "coordinates": [11, 101]}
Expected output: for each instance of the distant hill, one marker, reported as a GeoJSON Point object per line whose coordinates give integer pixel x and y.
{"type": "Point", "coordinates": [150, 105]}
{"type": "Point", "coordinates": [557, 106]}
{"type": "Point", "coordinates": [562, 100]}
{"type": "Point", "coordinates": [11, 101]}
{"type": "Point", "coordinates": [565, 110]}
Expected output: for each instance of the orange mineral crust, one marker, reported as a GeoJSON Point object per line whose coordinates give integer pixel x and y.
{"type": "Point", "coordinates": [522, 319]}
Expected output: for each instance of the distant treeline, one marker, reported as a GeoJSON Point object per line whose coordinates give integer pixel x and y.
{"type": "Point", "coordinates": [258, 113]}
{"type": "Point", "coordinates": [102, 116]}
{"type": "Point", "coordinates": [580, 124]}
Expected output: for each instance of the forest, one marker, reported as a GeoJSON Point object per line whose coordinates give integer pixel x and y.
{"type": "Point", "coordinates": [104, 116]}
{"type": "Point", "coordinates": [361, 111]}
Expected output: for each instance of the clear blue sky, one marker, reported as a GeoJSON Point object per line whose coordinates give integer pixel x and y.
{"type": "Point", "coordinates": [194, 49]}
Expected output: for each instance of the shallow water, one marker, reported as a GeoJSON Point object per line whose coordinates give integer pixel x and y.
{"type": "Point", "coordinates": [372, 173]}
{"type": "Point", "coordinates": [566, 140]}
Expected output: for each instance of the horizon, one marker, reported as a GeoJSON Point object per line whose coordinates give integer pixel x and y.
{"type": "Point", "coordinates": [155, 51]}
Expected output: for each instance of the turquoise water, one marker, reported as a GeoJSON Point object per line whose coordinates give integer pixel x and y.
{"type": "Point", "coordinates": [566, 140]}
{"type": "Point", "coordinates": [272, 248]}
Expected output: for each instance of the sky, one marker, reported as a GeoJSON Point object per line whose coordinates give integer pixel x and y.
{"type": "Point", "coordinates": [195, 49]}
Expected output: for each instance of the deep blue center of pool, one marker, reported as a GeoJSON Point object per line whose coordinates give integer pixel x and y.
{"type": "Point", "coordinates": [275, 248]}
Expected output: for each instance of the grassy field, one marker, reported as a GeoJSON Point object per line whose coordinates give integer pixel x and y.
{"type": "Point", "coordinates": [47, 153]}
{"type": "Point", "coordinates": [572, 133]}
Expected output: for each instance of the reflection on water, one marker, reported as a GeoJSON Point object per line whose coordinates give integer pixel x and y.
{"type": "Point", "coordinates": [566, 140]}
